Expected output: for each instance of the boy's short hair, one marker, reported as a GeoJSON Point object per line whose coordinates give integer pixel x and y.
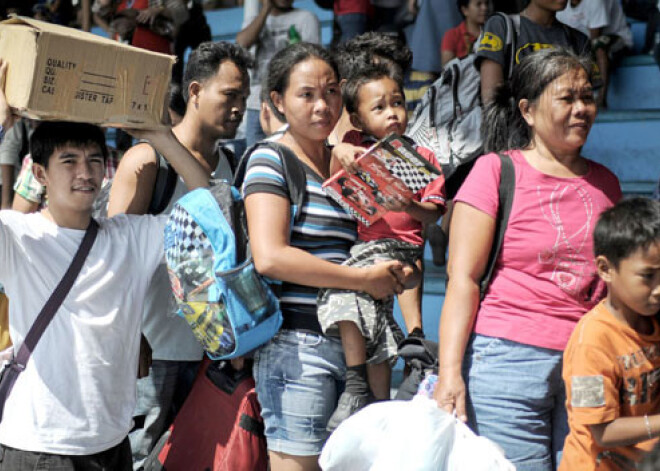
{"type": "Point", "coordinates": [363, 76]}
{"type": "Point", "coordinates": [629, 225]}
{"type": "Point", "coordinates": [206, 59]}
{"type": "Point", "coordinates": [52, 135]}
{"type": "Point", "coordinates": [368, 47]}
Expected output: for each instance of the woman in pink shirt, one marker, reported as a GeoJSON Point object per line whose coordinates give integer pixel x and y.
{"type": "Point", "coordinates": [501, 358]}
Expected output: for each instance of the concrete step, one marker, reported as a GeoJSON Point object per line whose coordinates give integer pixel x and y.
{"type": "Point", "coordinates": [627, 142]}
{"type": "Point", "coordinates": [635, 84]}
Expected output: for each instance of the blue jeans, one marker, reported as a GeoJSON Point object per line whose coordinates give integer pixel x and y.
{"type": "Point", "coordinates": [517, 399]}
{"type": "Point", "coordinates": [299, 377]}
{"type": "Point", "coordinates": [351, 25]}
{"type": "Point", "coordinates": [159, 396]}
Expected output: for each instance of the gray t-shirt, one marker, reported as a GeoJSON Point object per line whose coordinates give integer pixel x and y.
{"type": "Point", "coordinates": [532, 37]}
{"type": "Point", "coordinates": [275, 36]}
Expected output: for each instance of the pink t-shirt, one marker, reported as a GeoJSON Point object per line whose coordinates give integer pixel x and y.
{"type": "Point", "coordinates": [545, 277]}
{"type": "Point", "coordinates": [400, 225]}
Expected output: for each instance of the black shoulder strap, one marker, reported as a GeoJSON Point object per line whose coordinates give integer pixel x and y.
{"type": "Point", "coordinates": [166, 178]}
{"type": "Point", "coordinates": [294, 173]}
{"type": "Point", "coordinates": [506, 191]}
{"type": "Point", "coordinates": [18, 364]}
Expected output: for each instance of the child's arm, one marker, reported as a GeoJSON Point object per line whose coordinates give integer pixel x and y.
{"type": "Point", "coordinates": [344, 156]}
{"type": "Point", "coordinates": [424, 212]}
{"type": "Point", "coordinates": [626, 431]}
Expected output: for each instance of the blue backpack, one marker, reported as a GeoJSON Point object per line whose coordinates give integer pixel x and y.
{"type": "Point", "coordinates": [230, 308]}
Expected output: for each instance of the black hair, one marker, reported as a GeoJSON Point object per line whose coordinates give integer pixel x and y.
{"type": "Point", "coordinates": [462, 4]}
{"type": "Point", "coordinates": [369, 48]}
{"type": "Point", "coordinates": [503, 125]}
{"type": "Point", "coordinates": [264, 97]}
{"type": "Point", "coordinates": [370, 73]}
{"type": "Point", "coordinates": [176, 101]}
{"type": "Point", "coordinates": [205, 61]}
{"type": "Point", "coordinates": [283, 62]}
{"type": "Point", "coordinates": [629, 225]}
{"type": "Point", "coordinates": [52, 135]}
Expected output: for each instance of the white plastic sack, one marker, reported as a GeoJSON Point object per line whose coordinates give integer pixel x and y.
{"type": "Point", "coordinates": [393, 435]}
{"type": "Point", "coordinates": [473, 453]}
{"type": "Point", "coordinates": [409, 436]}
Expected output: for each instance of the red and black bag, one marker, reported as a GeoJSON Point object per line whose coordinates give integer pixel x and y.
{"type": "Point", "coordinates": [219, 427]}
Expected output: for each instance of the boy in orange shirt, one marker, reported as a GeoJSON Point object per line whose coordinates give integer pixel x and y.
{"type": "Point", "coordinates": [612, 360]}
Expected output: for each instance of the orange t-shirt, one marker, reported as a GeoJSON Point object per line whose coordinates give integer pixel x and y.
{"type": "Point", "coordinates": [610, 371]}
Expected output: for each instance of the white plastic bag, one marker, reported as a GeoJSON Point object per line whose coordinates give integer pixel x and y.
{"type": "Point", "coordinates": [473, 453]}
{"type": "Point", "coordinates": [409, 436]}
{"type": "Point", "coordinates": [394, 435]}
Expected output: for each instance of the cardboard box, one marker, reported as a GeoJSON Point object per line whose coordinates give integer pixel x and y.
{"type": "Point", "coordinates": [59, 73]}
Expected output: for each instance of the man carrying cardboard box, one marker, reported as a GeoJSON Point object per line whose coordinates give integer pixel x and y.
{"type": "Point", "coordinates": [71, 407]}
{"type": "Point", "coordinates": [216, 86]}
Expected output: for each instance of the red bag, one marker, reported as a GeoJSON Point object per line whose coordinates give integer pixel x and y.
{"type": "Point", "coordinates": [218, 428]}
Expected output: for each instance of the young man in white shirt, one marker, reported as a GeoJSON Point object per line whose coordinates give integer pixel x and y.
{"type": "Point", "coordinates": [72, 406]}
{"type": "Point", "coordinates": [216, 86]}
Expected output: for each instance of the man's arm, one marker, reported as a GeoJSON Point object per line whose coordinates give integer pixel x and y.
{"type": "Point", "coordinates": [249, 35]}
{"type": "Point", "coordinates": [7, 121]}
{"type": "Point", "coordinates": [133, 184]}
{"type": "Point", "coordinates": [492, 76]}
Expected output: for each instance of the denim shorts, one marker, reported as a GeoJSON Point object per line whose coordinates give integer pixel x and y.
{"type": "Point", "coordinates": [516, 398]}
{"type": "Point", "coordinates": [299, 377]}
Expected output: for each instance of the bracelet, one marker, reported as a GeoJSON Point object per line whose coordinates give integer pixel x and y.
{"type": "Point", "coordinates": [648, 426]}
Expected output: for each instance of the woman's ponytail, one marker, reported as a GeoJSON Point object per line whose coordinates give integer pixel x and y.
{"type": "Point", "coordinates": [503, 126]}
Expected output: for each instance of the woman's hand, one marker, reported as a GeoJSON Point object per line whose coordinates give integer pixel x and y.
{"type": "Point", "coordinates": [384, 279]}
{"type": "Point", "coordinates": [450, 392]}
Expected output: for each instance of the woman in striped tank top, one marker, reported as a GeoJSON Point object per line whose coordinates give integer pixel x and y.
{"type": "Point", "coordinates": [300, 371]}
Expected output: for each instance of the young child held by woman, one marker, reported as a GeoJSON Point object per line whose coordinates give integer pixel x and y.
{"type": "Point", "coordinates": [612, 360]}
{"type": "Point", "coordinates": [374, 99]}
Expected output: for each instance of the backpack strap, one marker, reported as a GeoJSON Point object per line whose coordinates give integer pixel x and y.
{"type": "Point", "coordinates": [512, 23]}
{"type": "Point", "coordinates": [166, 178]}
{"type": "Point", "coordinates": [506, 191]}
{"type": "Point", "coordinates": [294, 173]}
